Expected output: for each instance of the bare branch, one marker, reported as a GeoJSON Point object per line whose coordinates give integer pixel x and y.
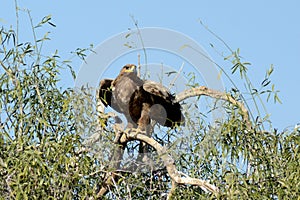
{"type": "Point", "coordinates": [112, 177]}
{"type": "Point", "coordinates": [172, 190]}
{"type": "Point", "coordinates": [202, 90]}
{"type": "Point", "coordinates": [136, 134]}
{"type": "Point", "coordinates": [176, 176]}
{"type": "Point", "coordinates": [139, 66]}
{"type": "Point", "coordinates": [176, 77]}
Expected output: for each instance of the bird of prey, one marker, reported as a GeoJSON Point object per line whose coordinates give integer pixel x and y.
{"type": "Point", "coordinates": [139, 100]}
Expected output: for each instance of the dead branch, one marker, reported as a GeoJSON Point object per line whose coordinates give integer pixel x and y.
{"type": "Point", "coordinates": [172, 190]}
{"type": "Point", "coordinates": [139, 66]}
{"type": "Point", "coordinates": [112, 177]}
{"type": "Point", "coordinates": [116, 159]}
{"type": "Point", "coordinates": [202, 90]}
{"type": "Point", "coordinates": [175, 175]}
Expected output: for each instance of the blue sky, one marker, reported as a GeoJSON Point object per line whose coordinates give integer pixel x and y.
{"type": "Point", "coordinates": [267, 32]}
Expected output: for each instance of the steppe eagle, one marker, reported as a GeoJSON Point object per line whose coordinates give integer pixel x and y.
{"type": "Point", "coordinates": [139, 100]}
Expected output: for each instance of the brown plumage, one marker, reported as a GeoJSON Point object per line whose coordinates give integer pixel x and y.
{"type": "Point", "coordinates": [140, 101]}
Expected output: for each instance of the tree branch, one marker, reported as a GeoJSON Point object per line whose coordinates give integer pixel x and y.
{"type": "Point", "coordinates": [172, 190]}
{"type": "Point", "coordinates": [202, 90]}
{"type": "Point", "coordinates": [136, 134]}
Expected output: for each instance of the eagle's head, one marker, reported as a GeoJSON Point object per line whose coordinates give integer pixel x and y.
{"type": "Point", "coordinates": [129, 68]}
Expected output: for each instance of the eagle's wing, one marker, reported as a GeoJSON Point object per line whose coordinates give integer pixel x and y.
{"type": "Point", "coordinates": [165, 110]}
{"type": "Point", "coordinates": [105, 91]}
{"type": "Point", "coordinates": [157, 89]}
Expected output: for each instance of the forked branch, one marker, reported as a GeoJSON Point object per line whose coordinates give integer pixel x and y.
{"type": "Point", "coordinates": [169, 163]}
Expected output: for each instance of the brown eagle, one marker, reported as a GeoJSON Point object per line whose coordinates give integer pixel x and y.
{"type": "Point", "coordinates": [140, 101]}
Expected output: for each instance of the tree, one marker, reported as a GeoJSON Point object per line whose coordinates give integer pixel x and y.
{"type": "Point", "coordinates": [52, 144]}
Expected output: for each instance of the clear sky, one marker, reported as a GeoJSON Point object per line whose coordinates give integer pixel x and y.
{"type": "Point", "coordinates": [267, 32]}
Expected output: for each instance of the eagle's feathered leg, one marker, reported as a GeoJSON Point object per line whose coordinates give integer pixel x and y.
{"type": "Point", "coordinates": [144, 120]}
{"type": "Point", "coordinates": [143, 125]}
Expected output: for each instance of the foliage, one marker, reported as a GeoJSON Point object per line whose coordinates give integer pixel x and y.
{"type": "Point", "coordinates": [41, 150]}
{"type": "Point", "coordinates": [45, 153]}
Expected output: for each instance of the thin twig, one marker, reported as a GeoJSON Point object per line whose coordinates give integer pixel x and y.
{"type": "Point", "coordinates": [17, 23]}
{"type": "Point", "coordinates": [139, 66]}
{"type": "Point", "coordinates": [176, 77]}
{"type": "Point", "coordinates": [218, 37]}
{"type": "Point", "coordinates": [172, 190]}
{"type": "Point", "coordinates": [142, 42]}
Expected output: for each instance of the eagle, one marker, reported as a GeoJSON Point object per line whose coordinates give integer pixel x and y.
{"type": "Point", "coordinates": [140, 100]}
